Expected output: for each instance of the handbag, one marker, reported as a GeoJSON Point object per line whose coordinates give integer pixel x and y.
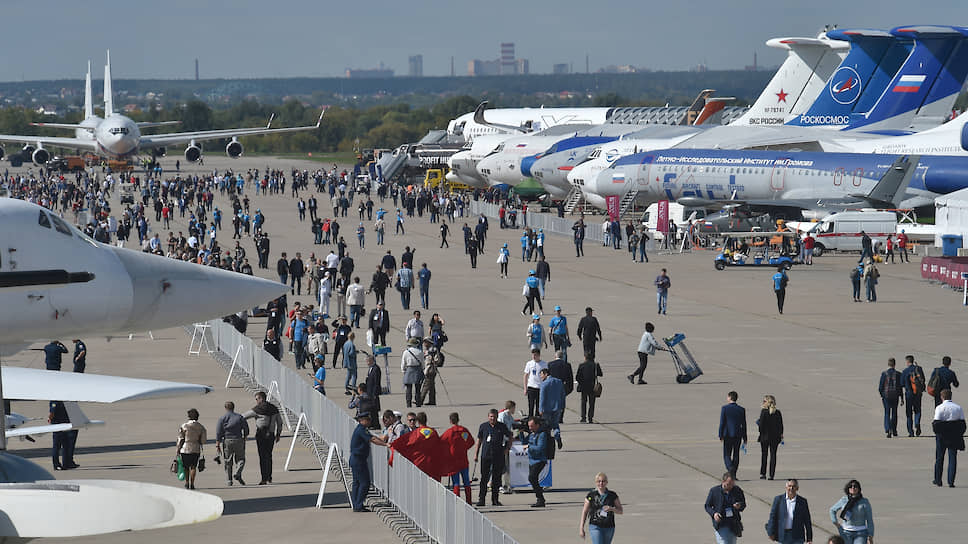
{"type": "Point", "coordinates": [201, 463]}
{"type": "Point", "coordinates": [597, 388]}
{"type": "Point", "coordinates": [182, 473]}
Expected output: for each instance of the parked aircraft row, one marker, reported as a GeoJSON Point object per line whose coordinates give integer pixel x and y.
{"type": "Point", "coordinates": [117, 136]}
{"type": "Point", "coordinates": [841, 95]}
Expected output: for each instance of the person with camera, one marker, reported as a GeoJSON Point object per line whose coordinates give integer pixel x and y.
{"type": "Point", "coordinates": [724, 504]}
{"type": "Point", "coordinates": [268, 431]}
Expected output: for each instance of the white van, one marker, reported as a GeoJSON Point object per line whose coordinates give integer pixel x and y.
{"type": "Point", "coordinates": [681, 215]}
{"type": "Point", "coordinates": [841, 231]}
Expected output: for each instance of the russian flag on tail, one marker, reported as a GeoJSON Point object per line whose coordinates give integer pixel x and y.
{"type": "Point", "coordinates": [618, 177]}
{"type": "Point", "coordinates": [909, 84]}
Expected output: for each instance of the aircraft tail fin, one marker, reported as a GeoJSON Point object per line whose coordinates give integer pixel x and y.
{"type": "Point", "coordinates": [88, 105]}
{"type": "Point", "coordinates": [75, 414]}
{"type": "Point", "coordinates": [712, 111]}
{"type": "Point", "coordinates": [479, 119]}
{"type": "Point", "coordinates": [932, 73]}
{"type": "Point", "coordinates": [695, 109]}
{"type": "Point", "coordinates": [849, 82]}
{"type": "Point", "coordinates": [108, 99]}
{"type": "Point", "coordinates": [894, 182]}
{"type": "Point", "coordinates": [798, 81]}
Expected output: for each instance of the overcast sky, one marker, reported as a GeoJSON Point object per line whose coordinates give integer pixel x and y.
{"type": "Point", "coordinates": [290, 38]}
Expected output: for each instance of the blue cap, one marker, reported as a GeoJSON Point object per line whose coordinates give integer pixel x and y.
{"type": "Point", "coordinates": [530, 272]}
{"type": "Point", "coordinates": [535, 316]}
{"type": "Point", "coordinates": [557, 308]}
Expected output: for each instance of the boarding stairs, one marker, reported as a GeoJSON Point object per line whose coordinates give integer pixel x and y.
{"type": "Point", "coordinates": [627, 203]}
{"type": "Point", "coordinates": [573, 199]}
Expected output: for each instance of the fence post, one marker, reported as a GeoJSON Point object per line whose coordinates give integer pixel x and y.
{"type": "Point", "coordinates": [234, 361]}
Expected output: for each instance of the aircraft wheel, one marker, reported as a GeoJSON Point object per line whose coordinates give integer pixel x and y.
{"type": "Point", "coordinates": [720, 265]}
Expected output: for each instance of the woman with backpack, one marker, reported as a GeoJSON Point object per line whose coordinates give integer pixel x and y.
{"type": "Point", "coordinates": [770, 425]}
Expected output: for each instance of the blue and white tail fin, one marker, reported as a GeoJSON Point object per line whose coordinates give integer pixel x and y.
{"type": "Point", "coordinates": [923, 79]}
{"type": "Point", "coordinates": [88, 104]}
{"type": "Point", "coordinates": [108, 99]}
{"type": "Point", "coordinates": [849, 82]}
{"type": "Point", "coordinates": [809, 63]}
{"type": "Point", "coordinates": [937, 106]}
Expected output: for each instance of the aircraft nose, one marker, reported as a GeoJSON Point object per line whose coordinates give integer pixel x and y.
{"type": "Point", "coordinates": [527, 163]}
{"type": "Point", "coordinates": [611, 181]}
{"type": "Point", "coordinates": [169, 293]}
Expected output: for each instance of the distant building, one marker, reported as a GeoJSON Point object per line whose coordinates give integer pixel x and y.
{"type": "Point", "coordinates": [561, 68]}
{"type": "Point", "coordinates": [484, 67]}
{"type": "Point", "coordinates": [699, 68]}
{"type": "Point", "coordinates": [369, 73]}
{"type": "Point", "coordinates": [620, 69]}
{"type": "Point", "coordinates": [415, 63]}
{"type": "Point", "coordinates": [506, 64]}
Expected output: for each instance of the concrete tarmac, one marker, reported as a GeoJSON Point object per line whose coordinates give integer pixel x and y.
{"type": "Point", "coordinates": [657, 442]}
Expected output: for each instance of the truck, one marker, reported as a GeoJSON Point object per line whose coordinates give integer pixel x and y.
{"type": "Point", "coordinates": [841, 231]}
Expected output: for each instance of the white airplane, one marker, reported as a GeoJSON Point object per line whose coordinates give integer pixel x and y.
{"type": "Point", "coordinates": [117, 136]}
{"type": "Point", "coordinates": [509, 121]}
{"type": "Point", "coordinates": [55, 281]}
{"type": "Point", "coordinates": [50, 272]}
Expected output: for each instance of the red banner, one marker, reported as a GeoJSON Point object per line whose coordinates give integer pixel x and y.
{"type": "Point", "coordinates": [662, 219]}
{"type": "Point", "coordinates": [612, 205]}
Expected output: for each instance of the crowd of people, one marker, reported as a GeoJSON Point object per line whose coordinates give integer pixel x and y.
{"type": "Point", "coordinates": [324, 327]}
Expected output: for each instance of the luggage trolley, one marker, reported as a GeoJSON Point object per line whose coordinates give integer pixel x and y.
{"type": "Point", "coordinates": [687, 369]}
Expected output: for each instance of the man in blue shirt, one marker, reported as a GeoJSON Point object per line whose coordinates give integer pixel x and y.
{"type": "Point", "coordinates": [349, 361]}
{"type": "Point", "coordinates": [423, 276]}
{"type": "Point", "coordinates": [780, 281]}
{"type": "Point", "coordinates": [558, 328]}
{"type": "Point", "coordinates": [533, 294]}
{"type": "Point", "coordinates": [299, 339]}
{"type": "Point", "coordinates": [80, 356]}
{"type": "Point", "coordinates": [551, 401]}
{"type": "Point", "coordinates": [732, 431]}
{"type": "Point", "coordinates": [52, 354]}
{"type": "Point", "coordinates": [537, 459]}
{"type": "Point", "coordinates": [359, 461]}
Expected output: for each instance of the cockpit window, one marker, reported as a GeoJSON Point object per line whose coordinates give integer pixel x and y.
{"type": "Point", "coordinates": [42, 219]}
{"type": "Point", "coordinates": [595, 154]}
{"type": "Point", "coordinates": [118, 130]}
{"type": "Point", "coordinates": [60, 225]}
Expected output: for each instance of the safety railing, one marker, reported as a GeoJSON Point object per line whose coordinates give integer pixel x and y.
{"type": "Point", "coordinates": [435, 510]}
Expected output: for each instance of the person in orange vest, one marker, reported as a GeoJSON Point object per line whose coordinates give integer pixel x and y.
{"type": "Point", "coordinates": [459, 440]}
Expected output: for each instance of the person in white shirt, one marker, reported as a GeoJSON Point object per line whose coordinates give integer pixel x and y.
{"type": "Point", "coordinates": [532, 381]}
{"type": "Point", "coordinates": [949, 431]}
{"type": "Point", "coordinates": [415, 328]}
{"type": "Point", "coordinates": [506, 416]}
{"type": "Point", "coordinates": [647, 346]}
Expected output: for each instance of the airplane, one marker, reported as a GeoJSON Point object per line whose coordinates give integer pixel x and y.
{"type": "Point", "coordinates": [786, 183]}
{"type": "Point", "coordinates": [919, 44]}
{"type": "Point", "coordinates": [509, 121]}
{"type": "Point", "coordinates": [117, 136]}
{"type": "Point", "coordinates": [50, 272]}
{"type": "Point", "coordinates": [63, 283]}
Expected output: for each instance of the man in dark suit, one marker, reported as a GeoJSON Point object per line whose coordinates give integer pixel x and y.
{"type": "Point", "coordinates": [732, 431]}
{"type": "Point", "coordinates": [379, 323]}
{"type": "Point", "coordinates": [559, 368]}
{"type": "Point", "coordinates": [782, 527]}
{"type": "Point", "coordinates": [373, 386]}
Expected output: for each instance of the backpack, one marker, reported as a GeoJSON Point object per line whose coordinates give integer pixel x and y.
{"type": "Point", "coordinates": [892, 386]}
{"type": "Point", "coordinates": [405, 279]}
{"type": "Point", "coordinates": [934, 383]}
{"type": "Point", "coordinates": [917, 380]}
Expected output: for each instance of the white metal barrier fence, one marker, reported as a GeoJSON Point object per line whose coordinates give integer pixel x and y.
{"type": "Point", "coordinates": [434, 509]}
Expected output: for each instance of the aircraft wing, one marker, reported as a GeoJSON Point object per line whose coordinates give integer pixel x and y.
{"type": "Point", "coordinates": [39, 429]}
{"type": "Point", "coordinates": [162, 140]}
{"type": "Point", "coordinates": [70, 143]}
{"type": "Point", "coordinates": [36, 384]}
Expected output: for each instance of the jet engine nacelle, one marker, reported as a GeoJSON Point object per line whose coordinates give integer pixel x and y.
{"type": "Point", "coordinates": [234, 149]}
{"type": "Point", "coordinates": [193, 153]}
{"type": "Point", "coordinates": [40, 156]}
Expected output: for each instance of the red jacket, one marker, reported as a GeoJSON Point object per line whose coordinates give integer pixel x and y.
{"type": "Point", "coordinates": [459, 440]}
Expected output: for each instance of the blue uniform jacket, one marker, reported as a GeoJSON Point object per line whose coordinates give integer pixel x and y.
{"type": "Point", "coordinates": [552, 395]}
